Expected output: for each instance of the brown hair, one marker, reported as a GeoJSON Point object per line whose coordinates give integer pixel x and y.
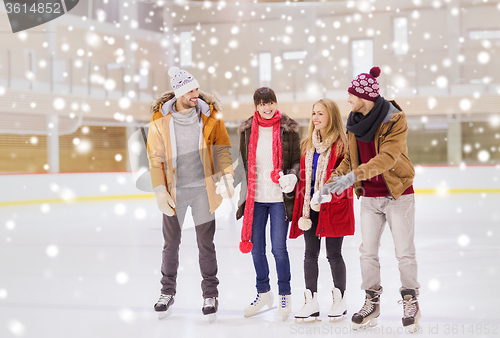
{"type": "Point", "coordinates": [335, 127]}
{"type": "Point", "coordinates": [264, 95]}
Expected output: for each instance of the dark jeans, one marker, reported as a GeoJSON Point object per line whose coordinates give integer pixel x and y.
{"type": "Point", "coordinates": [279, 231]}
{"type": "Point", "coordinates": [205, 230]}
{"type": "Point", "coordinates": [333, 253]}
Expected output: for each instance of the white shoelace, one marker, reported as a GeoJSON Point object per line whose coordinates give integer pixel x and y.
{"type": "Point", "coordinates": [164, 299]}
{"type": "Point", "coordinates": [409, 306]}
{"type": "Point", "coordinates": [367, 308]}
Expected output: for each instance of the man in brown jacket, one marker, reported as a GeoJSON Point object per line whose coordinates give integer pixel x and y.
{"type": "Point", "coordinates": [378, 166]}
{"type": "Point", "coordinates": [190, 163]}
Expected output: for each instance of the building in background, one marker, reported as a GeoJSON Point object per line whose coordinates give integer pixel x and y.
{"type": "Point", "coordinates": [72, 91]}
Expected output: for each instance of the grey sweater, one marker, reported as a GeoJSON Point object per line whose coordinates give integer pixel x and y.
{"type": "Point", "coordinates": [190, 171]}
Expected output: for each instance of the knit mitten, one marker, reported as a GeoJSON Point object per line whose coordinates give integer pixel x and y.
{"type": "Point", "coordinates": [164, 200]}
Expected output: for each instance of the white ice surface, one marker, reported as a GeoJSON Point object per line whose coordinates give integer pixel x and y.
{"type": "Point", "coordinates": [102, 277]}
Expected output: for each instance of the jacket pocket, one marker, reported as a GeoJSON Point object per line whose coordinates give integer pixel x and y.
{"type": "Point", "coordinates": [403, 169]}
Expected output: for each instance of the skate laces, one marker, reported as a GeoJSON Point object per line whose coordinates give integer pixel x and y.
{"type": "Point", "coordinates": [256, 299]}
{"type": "Point", "coordinates": [409, 306]}
{"type": "Point", "coordinates": [283, 301]}
{"type": "Point", "coordinates": [368, 307]}
{"type": "Point", "coordinates": [164, 299]}
{"type": "Point", "coordinates": [209, 302]}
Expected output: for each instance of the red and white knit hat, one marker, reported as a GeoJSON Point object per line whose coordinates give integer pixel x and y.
{"type": "Point", "coordinates": [365, 86]}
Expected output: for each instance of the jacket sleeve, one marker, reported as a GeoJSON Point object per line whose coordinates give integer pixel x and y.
{"type": "Point", "coordinates": [240, 171]}
{"type": "Point", "coordinates": [344, 167]}
{"type": "Point", "coordinates": [336, 197]}
{"type": "Point", "coordinates": [222, 146]}
{"type": "Point", "coordinates": [298, 203]}
{"type": "Point", "coordinates": [295, 165]}
{"type": "Point", "coordinates": [390, 149]}
{"type": "Point", "coordinates": [156, 153]}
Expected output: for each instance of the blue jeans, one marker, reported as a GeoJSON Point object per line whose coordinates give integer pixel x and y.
{"type": "Point", "coordinates": [279, 232]}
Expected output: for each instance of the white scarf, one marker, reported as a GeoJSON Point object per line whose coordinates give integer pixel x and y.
{"type": "Point", "coordinates": [324, 149]}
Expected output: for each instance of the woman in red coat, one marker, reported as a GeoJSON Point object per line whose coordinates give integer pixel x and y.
{"type": "Point", "coordinates": [322, 151]}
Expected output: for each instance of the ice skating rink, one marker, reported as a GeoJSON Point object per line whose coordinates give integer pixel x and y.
{"type": "Point", "coordinates": [90, 268]}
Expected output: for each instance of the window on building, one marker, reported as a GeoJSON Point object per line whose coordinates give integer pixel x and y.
{"type": "Point", "coordinates": [362, 56]}
{"type": "Point", "coordinates": [265, 69]}
{"type": "Point", "coordinates": [106, 11]}
{"type": "Point", "coordinates": [150, 16]}
{"type": "Point", "coordinates": [58, 70]}
{"type": "Point", "coordinates": [297, 55]}
{"type": "Point", "coordinates": [400, 43]}
{"type": "Point", "coordinates": [484, 35]}
{"type": "Point", "coordinates": [143, 77]}
{"type": "Point", "coordinates": [30, 60]}
{"type": "Point", "coordinates": [186, 49]}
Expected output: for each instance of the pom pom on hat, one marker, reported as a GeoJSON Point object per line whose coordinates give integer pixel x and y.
{"type": "Point", "coordinates": [172, 71]}
{"type": "Point", "coordinates": [375, 71]}
{"type": "Point", "coordinates": [246, 247]}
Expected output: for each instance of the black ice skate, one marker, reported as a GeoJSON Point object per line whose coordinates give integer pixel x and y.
{"type": "Point", "coordinates": [163, 306]}
{"type": "Point", "coordinates": [367, 316]}
{"type": "Point", "coordinates": [411, 311]}
{"type": "Point", "coordinates": [210, 307]}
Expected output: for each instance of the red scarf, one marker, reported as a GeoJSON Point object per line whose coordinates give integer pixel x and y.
{"type": "Point", "coordinates": [275, 122]}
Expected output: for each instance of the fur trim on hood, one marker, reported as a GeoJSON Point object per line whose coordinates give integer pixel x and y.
{"type": "Point", "coordinates": [286, 123]}
{"type": "Point", "coordinates": [208, 98]}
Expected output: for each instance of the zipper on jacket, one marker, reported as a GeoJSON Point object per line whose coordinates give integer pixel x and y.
{"type": "Point", "coordinates": [389, 190]}
{"type": "Point", "coordinates": [385, 182]}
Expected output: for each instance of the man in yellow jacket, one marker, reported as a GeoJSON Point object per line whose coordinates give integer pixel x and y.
{"type": "Point", "coordinates": [378, 166]}
{"type": "Point", "coordinates": [190, 164]}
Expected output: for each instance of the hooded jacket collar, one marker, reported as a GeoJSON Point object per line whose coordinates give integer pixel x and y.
{"type": "Point", "coordinates": [205, 100]}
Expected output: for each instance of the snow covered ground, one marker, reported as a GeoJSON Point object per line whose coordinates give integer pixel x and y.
{"type": "Point", "coordinates": [91, 269]}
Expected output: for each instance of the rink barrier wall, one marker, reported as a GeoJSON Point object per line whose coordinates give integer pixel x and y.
{"type": "Point", "coordinates": [23, 189]}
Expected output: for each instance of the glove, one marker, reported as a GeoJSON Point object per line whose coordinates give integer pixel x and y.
{"type": "Point", "coordinates": [319, 199]}
{"type": "Point", "coordinates": [164, 200]}
{"type": "Point", "coordinates": [338, 185]}
{"type": "Point", "coordinates": [225, 186]}
{"type": "Point", "coordinates": [287, 182]}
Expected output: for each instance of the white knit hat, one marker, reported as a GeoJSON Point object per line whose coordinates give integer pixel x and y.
{"type": "Point", "coordinates": [182, 82]}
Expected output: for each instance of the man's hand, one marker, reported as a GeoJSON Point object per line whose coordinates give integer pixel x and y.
{"type": "Point", "coordinates": [164, 200]}
{"type": "Point", "coordinates": [287, 182]}
{"type": "Point", "coordinates": [339, 184]}
{"type": "Point", "coordinates": [225, 186]}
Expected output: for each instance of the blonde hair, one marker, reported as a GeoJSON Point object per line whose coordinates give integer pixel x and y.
{"type": "Point", "coordinates": [335, 127]}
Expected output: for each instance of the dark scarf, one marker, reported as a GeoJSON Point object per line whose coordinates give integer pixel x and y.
{"type": "Point", "coordinates": [365, 126]}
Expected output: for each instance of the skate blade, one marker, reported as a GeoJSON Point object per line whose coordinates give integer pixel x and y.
{"type": "Point", "coordinates": [369, 323]}
{"type": "Point", "coordinates": [307, 320]}
{"type": "Point", "coordinates": [164, 314]}
{"type": "Point", "coordinates": [260, 312]}
{"type": "Point", "coordinates": [212, 317]}
{"type": "Point", "coordinates": [333, 319]}
{"type": "Point", "coordinates": [413, 328]}
{"type": "Point", "coordinates": [285, 317]}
